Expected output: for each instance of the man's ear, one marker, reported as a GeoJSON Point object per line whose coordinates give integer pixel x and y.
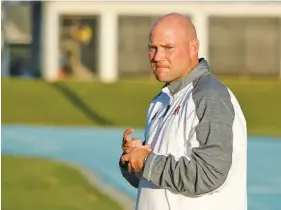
{"type": "Point", "coordinates": [194, 47]}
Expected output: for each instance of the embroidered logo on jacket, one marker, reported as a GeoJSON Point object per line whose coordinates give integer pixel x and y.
{"type": "Point", "coordinates": [176, 111]}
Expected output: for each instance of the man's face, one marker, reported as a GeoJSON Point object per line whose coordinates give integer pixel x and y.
{"type": "Point", "coordinates": [169, 53]}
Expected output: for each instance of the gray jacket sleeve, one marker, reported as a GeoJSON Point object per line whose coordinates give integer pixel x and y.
{"type": "Point", "coordinates": [130, 177]}
{"type": "Point", "coordinates": [209, 164]}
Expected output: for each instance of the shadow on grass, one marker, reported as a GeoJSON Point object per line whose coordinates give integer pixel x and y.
{"type": "Point", "coordinates": [76, 101]}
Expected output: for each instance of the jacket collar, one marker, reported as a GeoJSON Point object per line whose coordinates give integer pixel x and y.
{"type": "Point", "coordinates": [200, 69]}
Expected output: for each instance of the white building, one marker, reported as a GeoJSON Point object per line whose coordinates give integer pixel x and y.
{"type": "Point", "coordinates": [261, 38]}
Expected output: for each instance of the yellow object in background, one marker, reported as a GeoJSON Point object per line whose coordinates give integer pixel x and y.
{"type": "Point", "coordinates": [85, 34]}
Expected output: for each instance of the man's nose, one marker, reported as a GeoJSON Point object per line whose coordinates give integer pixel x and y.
{"type": "Point", "coordinates": [158, 56]}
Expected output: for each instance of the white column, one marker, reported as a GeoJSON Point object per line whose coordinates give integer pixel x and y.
{"type": "Point", "coordinates": [5, 49]}
{"type": "Point", "coordinates": [279, 47]}
{"type": "Point", "coordinates": [50, 43]}
{"type": "Point", "coordinates": [108, 66]}
{"type": "Point", "coordinates": [201, 23]}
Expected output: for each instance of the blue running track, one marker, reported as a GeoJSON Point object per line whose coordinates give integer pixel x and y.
{"type": "Point", "coordinates": [99, 150]}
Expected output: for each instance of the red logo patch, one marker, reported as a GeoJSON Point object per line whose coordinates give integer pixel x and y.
{"type": "Point", "coordinates": [176, 110]}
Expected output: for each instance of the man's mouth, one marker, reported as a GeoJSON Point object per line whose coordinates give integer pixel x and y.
{"type": "Point", "coordinates": [161, 66]}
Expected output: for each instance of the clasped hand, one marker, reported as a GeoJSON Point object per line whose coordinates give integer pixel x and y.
{"type": "Point", "coordinates": [134, 152]}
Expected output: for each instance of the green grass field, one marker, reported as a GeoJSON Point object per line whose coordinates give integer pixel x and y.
{"type": "Point", "coordinates": [124, 103]}
{"type": "Point", "coordinates": [40, 184]}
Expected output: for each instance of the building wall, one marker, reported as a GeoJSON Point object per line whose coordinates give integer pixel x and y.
{"type": "Point", "coordinates": [236, 38]}
{"type": "Point", "coordinates": [133, 32]}
{"type": "Point", "coordinates": [245, 45]}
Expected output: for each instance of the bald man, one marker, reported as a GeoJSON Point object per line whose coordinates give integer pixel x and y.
{"type": "Point", "coordinates": [194, 153]}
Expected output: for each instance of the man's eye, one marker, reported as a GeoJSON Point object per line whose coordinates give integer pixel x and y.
{"type": "Point", "coordinates": [169, 48]}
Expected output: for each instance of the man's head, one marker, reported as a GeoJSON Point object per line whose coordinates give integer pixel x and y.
{"type": "Point", "coordinates": [173, 47]}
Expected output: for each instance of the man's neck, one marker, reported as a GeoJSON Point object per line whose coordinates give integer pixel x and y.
{"type": "Point", "coordinates": [194, 63]}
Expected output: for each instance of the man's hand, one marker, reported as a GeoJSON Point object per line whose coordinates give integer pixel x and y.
{"type": "Point", "coordinates": [129, 143]}
{"type": "Point", "coordinates": [135, 158]}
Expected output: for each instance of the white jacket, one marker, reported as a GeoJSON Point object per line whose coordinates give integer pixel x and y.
{"type": "Point", "coordinates": [199, 148]}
